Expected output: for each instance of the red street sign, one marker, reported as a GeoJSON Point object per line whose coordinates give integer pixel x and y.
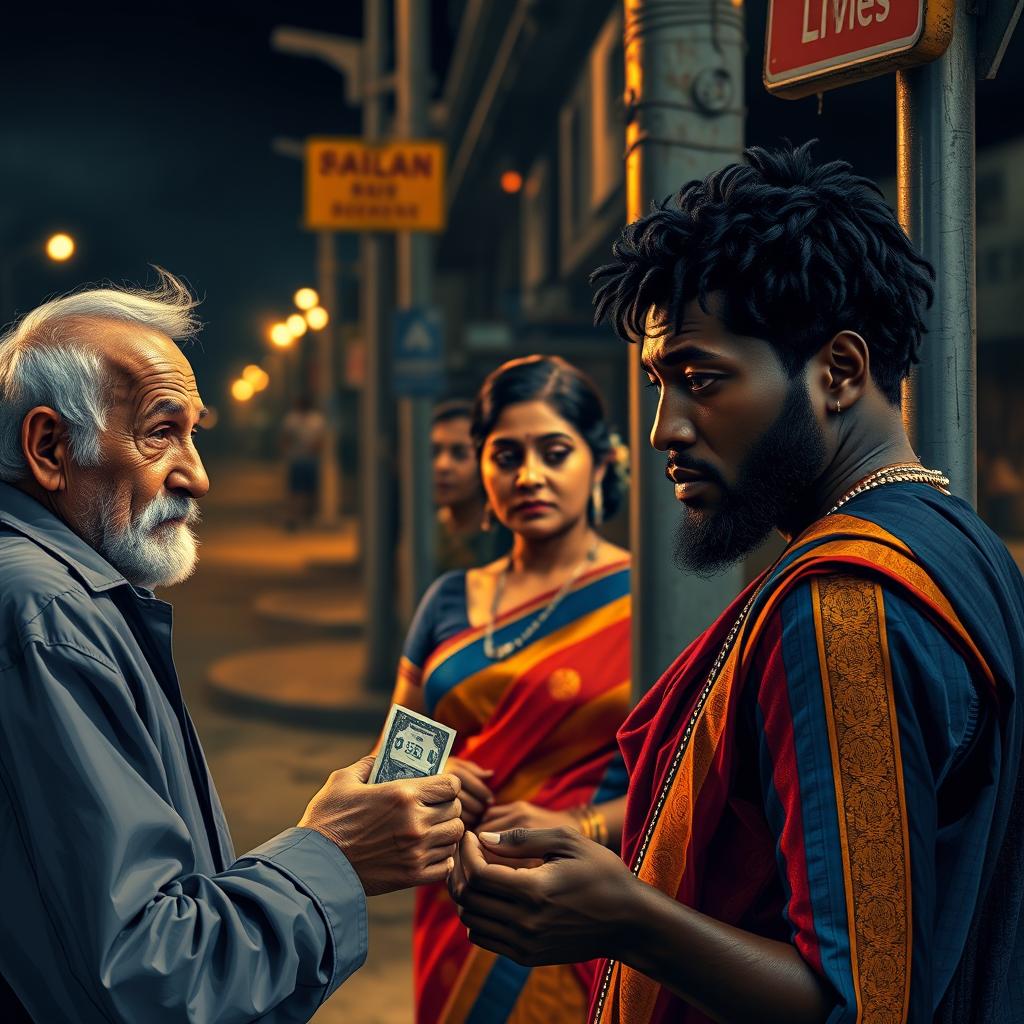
{"type": "Point", "coordinates": [814, 45]}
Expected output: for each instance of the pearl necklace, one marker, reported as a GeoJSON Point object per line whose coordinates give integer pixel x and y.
{"type": "Point", "coordinates": [502, 651]}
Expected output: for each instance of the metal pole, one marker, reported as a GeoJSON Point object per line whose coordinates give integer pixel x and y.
{"type": "Point", "coordinates": [415, 288]}
{"type": "Point", "coordinates": [935, 179]}
{"type": "Point", "coordinates": [684, 96]}
{"type": "Point", "coordinates": [327, 380]}
{"type": "Point", "coordinates": [376, 442]}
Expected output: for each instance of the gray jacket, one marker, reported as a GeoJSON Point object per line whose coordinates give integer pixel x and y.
{"type": "Point", "coordinates": [123, 900]}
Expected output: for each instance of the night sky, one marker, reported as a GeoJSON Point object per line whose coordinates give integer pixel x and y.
{"type": "Point", "coordinates": [148, 137]}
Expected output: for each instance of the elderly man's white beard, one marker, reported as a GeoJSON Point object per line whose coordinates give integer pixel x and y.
{"type": "Point", "coordinates": [152, 552]}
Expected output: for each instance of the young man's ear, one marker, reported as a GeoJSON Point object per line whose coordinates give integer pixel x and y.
{"type": "Point", "coordinates": [44, 443]}
{"type": "Point", "coordinates": [845, 362]}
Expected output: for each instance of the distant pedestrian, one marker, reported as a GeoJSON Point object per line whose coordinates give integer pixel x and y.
{"type": "Point", "coordinates": [302, 438]}
{"type": "Point", "coordinates": [467, 535]}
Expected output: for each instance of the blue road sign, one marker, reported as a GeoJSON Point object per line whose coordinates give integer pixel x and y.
{"type": "Point", "coordinates": [418, 354]}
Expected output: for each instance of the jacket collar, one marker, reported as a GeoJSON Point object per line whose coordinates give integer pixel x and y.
{"type": "Point", "coordinates": [23, 514]}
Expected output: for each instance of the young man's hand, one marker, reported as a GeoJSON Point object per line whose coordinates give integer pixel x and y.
{"type": "Point", "coordinates": [570, 908]}
{"type": "Point", "coordinates": [395, 834]}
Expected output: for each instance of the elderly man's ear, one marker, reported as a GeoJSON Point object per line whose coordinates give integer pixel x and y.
{"type": "Point", "coordinates": [44, 441]}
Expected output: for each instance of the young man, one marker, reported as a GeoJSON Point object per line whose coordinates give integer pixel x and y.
{"type": "Point", "coordinates": [825, 800]}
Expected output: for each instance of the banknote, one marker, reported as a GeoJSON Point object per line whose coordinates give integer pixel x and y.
{"type": "Point", "coordinates": [413, 746]}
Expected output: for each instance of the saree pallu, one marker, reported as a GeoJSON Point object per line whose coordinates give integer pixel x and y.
{"type": "Point", "coordinates": [544, 720]}
{"type": "Point", "coordinates": [682, 746]}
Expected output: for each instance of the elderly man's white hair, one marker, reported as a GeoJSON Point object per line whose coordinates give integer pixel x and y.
{"type": "Point", "coordinates": [44, 361]}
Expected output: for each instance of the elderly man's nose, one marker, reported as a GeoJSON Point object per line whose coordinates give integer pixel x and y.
{"type": "Point", "coordinates": [190, 476]}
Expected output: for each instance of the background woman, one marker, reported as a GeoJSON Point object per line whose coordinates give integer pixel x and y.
{"type": "Point", "coordinates": [528, 658]}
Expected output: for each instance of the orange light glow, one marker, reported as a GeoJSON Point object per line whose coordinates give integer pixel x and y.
{"type": "Point", "coordinates": [60, 247]}
{"type": "Point", "coordinates": [306, 298]}
{"type": "Point", "coordinates": [511, 182]}
{"type": "Point", "coordinates": [241, 390]}
{"type": "Point", "coordinates": [296, 323]}
{"type": "Point", "coordinates": [256, 376]}
{"type": "Point", "coordinates": [281, 335]}
{"type": "Point", "coordinates": [317, 318]}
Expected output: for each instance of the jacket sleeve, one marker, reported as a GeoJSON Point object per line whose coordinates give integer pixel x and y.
{"type": "Point", "coordinates": [146, 936]}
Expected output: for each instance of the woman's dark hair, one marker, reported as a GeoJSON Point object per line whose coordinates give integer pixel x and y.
{"type": "Point", "coordinates": [453, 409]}
{"type": "Point", "coordinates": [571, 393]}
{"type": "Point", "coordinates": [797, 251]}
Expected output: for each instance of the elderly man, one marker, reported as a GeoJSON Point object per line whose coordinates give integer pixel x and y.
{"type": "Point", "coordinates": [123, 898]}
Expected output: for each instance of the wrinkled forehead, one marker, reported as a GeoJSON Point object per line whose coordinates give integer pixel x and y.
{"type": "Point", "coordinates": [145, 366]}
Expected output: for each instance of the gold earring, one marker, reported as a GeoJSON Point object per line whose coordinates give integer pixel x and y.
{"type": "Point", "coordinates": [597, 505]}
{"type": "Point", "coordinates": [487, 522]}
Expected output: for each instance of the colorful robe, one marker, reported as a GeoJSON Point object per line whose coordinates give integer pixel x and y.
{"type": "Point", "coordinates": [849, 779]}
{"type": "Point", "coordinates": [545, 720]}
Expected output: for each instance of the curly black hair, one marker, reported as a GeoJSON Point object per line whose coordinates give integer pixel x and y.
{"type": "Point", "coordinates": [794, 251]}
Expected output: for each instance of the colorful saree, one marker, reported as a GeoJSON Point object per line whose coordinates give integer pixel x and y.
{"type": "Point", "coordinates": [848, 778]}
{"type": "Point", "coordinates": [544, 719]}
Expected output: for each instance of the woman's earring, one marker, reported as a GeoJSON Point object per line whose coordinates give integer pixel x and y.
{"type": "Point", "coordinates": [487, 522]}
{"type": "Point", "coordinates": [839, 408]}
{"type": "Point", "coordinates": [597, 504]}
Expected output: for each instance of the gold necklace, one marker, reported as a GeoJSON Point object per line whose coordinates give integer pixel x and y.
{"type": "Point", "coordinates": [502, 651]}
{"type": "Point", "coordinates": [901, 472]}
{"type": "Point", "coordinates": [904, 472]}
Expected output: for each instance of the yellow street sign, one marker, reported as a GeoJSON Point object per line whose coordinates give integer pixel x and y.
{"type": "Point", "coordinates": [352, 185]}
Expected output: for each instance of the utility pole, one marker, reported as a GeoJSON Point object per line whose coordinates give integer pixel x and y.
{"type": "Point", "coordinates": [415, 289]}
{"type": "Point", "coordinates": [376, 442]}
{"type": "Point", "coordinates": [685, 119]}
{"type": "Point", "coordinates": [329, 496]}
{"type": "Point", "coordinates": [935, 180]}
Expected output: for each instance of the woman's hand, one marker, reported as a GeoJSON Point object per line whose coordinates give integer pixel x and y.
{"type": "Point", "coordinates": [520, 814]}
{"type": "Point", "coordinates": [476, 795]}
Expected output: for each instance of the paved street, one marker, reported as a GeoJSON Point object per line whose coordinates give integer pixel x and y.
{"type": "Point", "coordinates": [266, 771]}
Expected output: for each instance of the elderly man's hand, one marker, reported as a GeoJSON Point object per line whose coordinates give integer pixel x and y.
{"type": "Point", "coordinates": [572, 907]}
{"type": "Point", "coordinates": [395, 834]}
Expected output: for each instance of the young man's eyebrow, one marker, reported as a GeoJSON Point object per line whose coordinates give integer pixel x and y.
{"type": "Point", "coordinates": [680, 354]}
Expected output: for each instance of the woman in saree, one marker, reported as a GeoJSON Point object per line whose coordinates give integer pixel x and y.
{"type": "Point", "coordinates": [528, 658]}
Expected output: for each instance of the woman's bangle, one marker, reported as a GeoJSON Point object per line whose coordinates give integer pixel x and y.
{"type": "Point", "coordinates": [591, 823]}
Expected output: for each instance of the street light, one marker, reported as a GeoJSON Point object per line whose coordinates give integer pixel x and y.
{"type": "Point", "coordinates": [296, 323]}
{"type": "Point", "coordinates": [306, 298]}
{"type": "Point", "coordinates": [60, 247]}
{"type": "Point", "coordinates": [256, 376]}
{"type": "Point", "coordinates": [317, 318]}
{"type": "Point", "coordinates": [241, 390]}
{"type": "Point", "coordinates": [281, 335]}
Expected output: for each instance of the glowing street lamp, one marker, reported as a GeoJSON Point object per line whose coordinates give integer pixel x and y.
{"type": "Point", "coordinates": [306, 298]}
{"type": "Point", "coordinates": [256, 376]}
{"type": "Point", "coordinates": [511, 182]}
{"type": "Point", "coordinates": [317, 318]}
{"type": "Point", "coordinates": [296, 323]}
{"type": "Point", "coordinates": [60, 247]}
{"type": "Point", "coordinates": [241, 390]}
{"type": "Point", "coordinates": [281, 335]}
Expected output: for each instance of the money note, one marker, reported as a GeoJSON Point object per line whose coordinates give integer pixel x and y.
{"type": "Point", "coordinates": [414, 746]}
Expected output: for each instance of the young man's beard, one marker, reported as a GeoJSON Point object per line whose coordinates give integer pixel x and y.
{"type": "Point", "coordinates": [773, 480]}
